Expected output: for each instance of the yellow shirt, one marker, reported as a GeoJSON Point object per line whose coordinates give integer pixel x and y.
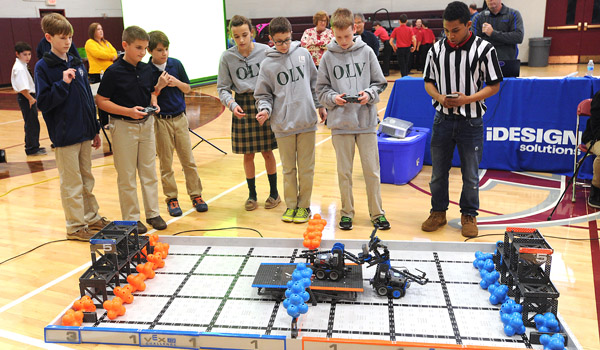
{"type": "Point", "coordinates": [100, 55]}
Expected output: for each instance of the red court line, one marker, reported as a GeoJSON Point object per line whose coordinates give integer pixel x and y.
{"type": "Point", "coordinates": [595, 250]}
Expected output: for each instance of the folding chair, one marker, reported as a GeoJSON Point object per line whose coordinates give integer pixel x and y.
{"type": "Point", "coordinates": [583, 110]}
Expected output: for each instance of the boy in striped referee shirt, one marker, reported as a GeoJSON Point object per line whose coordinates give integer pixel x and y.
{"type": "Point", "coordinates": [455, 70]}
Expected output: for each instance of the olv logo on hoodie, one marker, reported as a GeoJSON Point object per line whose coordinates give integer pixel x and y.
{"type": "Point", "coordinates": [348, 70]}
{"type": "Point", "coordinates": [293, 74]}
{"type": "Point", "coordinates": [248, 71]}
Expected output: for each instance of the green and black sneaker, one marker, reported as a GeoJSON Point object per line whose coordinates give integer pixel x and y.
{"type": "Point", "coordinates": [289, 214]}
{"type": "Point", "coordinates": [345, 223]}
{"type": "Point", "coordinates": [381, 222]}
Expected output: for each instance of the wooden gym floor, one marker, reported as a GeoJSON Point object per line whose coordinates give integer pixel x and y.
{"type": "Point", "coordinates": [37, 286]}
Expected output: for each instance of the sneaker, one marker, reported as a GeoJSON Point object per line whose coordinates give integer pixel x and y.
{"type": "Point", "coordinates": [435, 220]}
{"type": "Point", "coordinates": [289, 215]}
{"type": "Point", "coordinates": [99, 225]}
{"type": "Point", "coordinates": [345, 223]}
{"type": "Point", "coordinates": [173, 207]}
{"type": "Point", "coordinates": [271, 203]}
{"type": "Point", "coordinates": [250, 204]}
{"type": "Point", "coordinates": [594, 198]}
{"type": "Point", "coordinates": [157, 223]}
{"type": "Point", "coordinates": [40, 152]}
{"type": "Point", "coordinates": [141, 228]}
{"type": "Point", "coordinates": [302, 215]}
{"type": "Point", "coordinates": [199, 204]}
{"type": "Point", "coordinates": [381, 222]}
{"type": "Point", "coordinates": [469, 226]}
{"type": "Point", "coordinates": [83, 234]}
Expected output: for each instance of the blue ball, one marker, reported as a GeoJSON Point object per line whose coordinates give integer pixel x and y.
{"type": "Point", "coordinates": [297, 288]}
{"type": "Point", "coordinates": [286, 303]}
{"type": "Point", "coordinates": [509, 330]}
{"type": "Point", "coordinates": [556, 344]}
{"type": "Point", "coordinates": [290, 283]}
{"type": "Point", "coordinates": [306, 281]}
{"type": "Point", "coordinates": [505, 318]}
{"type": "Point", "coordinates": [300, 266]}
{"type": "Point", "coordinates": [288, 293]}
{"type": "Point", "coordinates": [292, 310]}
{"type": "Point", "coordinates": [543, 329]}
{"type": "Point", "coordinates": [303, 308]}
{"type": "Point", "coordinates": [295, 299]}
{"type": "Point", "coordinates": [307, 273]}
{"type": "Point", "coordinates": [296, 275]}
{"type": "Point", "coordinates": [544, 339]}
{"type": "Point", "coordinates": [539, 320]}
{"type": "Point", "coordinates": [305, 296]}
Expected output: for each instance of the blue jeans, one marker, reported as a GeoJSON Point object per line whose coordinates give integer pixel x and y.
{"type": "Point", "coordinates": [466, 134]}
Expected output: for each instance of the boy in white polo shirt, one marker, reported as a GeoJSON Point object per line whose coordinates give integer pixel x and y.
{"type": "Point", "coordinates": [22, 83]}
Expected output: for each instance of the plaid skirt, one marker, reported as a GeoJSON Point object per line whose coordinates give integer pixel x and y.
{"type": "Point", "coordinates": [247, 136]}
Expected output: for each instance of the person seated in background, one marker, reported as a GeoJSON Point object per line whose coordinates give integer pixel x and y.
{"type": "Point", "coordinates": [589, 138]}
{"type": "Point", "coordinates": [315, 39]}
{"type": "Point", "coordinates": [99, 51]}
{"type": "Point", "coordinates": [368, 37]}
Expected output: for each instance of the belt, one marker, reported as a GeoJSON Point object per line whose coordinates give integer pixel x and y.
{"type": "Point", "coordinates": [129, 120]}
{"type": "Point", "coordinates": [168, 116]}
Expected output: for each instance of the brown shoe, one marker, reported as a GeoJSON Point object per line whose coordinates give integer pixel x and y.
{"type": "Point", "coordinates": [99, 225]}
{"type": "Point", "coordinates": [141, 228]}
{"type": "Point", "coordinates": [271, 203]}
{"type": "Point", "coordinates": [435, 220]}
{"type": "Point", "coordinates": [469, 226]}
{"type": "Point", "coordinates": [83, 234]}
{"type": "Point", "coordinates": [157, 223]}
{"type": "Point", "coordinates": [250, 204]}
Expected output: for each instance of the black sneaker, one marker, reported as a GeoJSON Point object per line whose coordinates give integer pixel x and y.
{"type": "Point", "coordinates": [173, 207]}
{"type": "Point", "coordinates": [345, 223]}
{"type": "Point", "coordinates": [157, 223]}
{"type": "Point", "coordinates": [381, 222]}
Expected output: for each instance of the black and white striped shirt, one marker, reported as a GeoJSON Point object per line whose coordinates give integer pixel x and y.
{"type": "Point", "coordinates": [463, 69]}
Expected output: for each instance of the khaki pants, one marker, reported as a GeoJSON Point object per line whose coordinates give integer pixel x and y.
{"type": "Point", "coordinates": [297, 153]}
{"type": "Point", "coordinates": [74, 165]}
{"type": "Point", "coordinates": [369, 158]}
{"type": "Point", "coordinates": [134, 150]}
{"type": "Point", "coordinates": [172, 134]}
{"type": "Point", "coordinates": [596, 168]}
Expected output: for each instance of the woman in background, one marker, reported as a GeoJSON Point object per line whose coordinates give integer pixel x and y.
{"type": "Point", "coordinates": [100, 52]}
{"type": "Point", "coordinates": [315, 39]}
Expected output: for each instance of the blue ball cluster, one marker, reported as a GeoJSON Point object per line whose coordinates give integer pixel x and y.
{"type": "Point", "coordinates": [296, 295]}
{"type": "Point", "coordinates": [546, 323]}
{"type": "Point", "coordinates": [554, 342]}
{"type": "Point", "coordinates": [498, 294]}
{"type": "Point", "coordinates": [510, 314]}
{"type": "Point", "coordinates": [484, 263]}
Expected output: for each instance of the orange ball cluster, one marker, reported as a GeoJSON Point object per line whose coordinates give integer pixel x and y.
{"type": "Point", "coordinates": [125, 293]}
{"type": "Point", "coordinates": [314, 232]}
{"type": "Point", "coordinates": [114, 308]}
{"type": "Point", "coordinates": [84, 304]}
{"type": "Point", "coordinates": [72, 318]}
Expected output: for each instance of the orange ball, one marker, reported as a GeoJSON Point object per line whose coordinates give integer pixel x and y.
{"type": "Point", "coordinates": [317, 216]}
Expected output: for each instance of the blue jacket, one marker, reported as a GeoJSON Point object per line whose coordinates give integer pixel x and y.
{"type": "Point", "coordinates": [68, 109]}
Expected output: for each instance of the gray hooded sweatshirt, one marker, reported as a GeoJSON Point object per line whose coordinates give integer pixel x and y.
{"type": "Point", "coordinates": [349, 72]}
{"type": "Point", "coordinates": [286, 89]}
{"type": "Point", "coordinates": [238, 73]}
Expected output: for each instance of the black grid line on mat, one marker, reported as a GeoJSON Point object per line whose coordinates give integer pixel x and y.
{"type": "Point", "coordinates": [229, 290]}
{"type": "Point", "coordinates": [526, 341]}
{"type": "Point", "coordinates": [331, 319]}
{"type": "Point", "coordinates": [174, 295]}
{"type": "Point", "coordinates": [392, 319]}
{"type": "Point", "coordinates": [447, 298]}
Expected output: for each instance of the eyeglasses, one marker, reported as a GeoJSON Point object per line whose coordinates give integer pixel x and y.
{"type": "Point", "coordinates": [283, 42]}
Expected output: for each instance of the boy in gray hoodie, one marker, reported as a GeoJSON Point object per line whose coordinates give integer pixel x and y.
{"type": "Point", "coordinates": [348, 84]}
{"type": "Point", "coordinates": [285, 94]}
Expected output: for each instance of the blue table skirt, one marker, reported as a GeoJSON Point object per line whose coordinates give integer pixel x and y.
{"type": "Point", "coordinates": [529, 125]}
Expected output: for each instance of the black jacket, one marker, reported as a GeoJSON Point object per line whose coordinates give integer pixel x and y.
{"type": "Point", "coordinates": [68, 109]}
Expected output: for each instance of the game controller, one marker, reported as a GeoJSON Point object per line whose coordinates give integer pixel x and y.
{"type": "Point", "coordinates": [351, 98]}
{"type": "Point", "coordinates": [150, 110]}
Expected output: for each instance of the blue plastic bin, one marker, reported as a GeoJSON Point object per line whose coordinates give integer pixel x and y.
{"type": "Point", "coordinates": [401, 160]}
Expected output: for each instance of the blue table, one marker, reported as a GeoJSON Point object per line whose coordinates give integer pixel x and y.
{"type": "Point", "coordinates": [529, 125]}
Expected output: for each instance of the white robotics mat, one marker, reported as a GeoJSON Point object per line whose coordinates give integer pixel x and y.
{"type": "Point", "coordinates": [203, 298]}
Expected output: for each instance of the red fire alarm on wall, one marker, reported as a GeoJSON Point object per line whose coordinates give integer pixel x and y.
{"type": "Point", "coordinates": [50, 2]}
